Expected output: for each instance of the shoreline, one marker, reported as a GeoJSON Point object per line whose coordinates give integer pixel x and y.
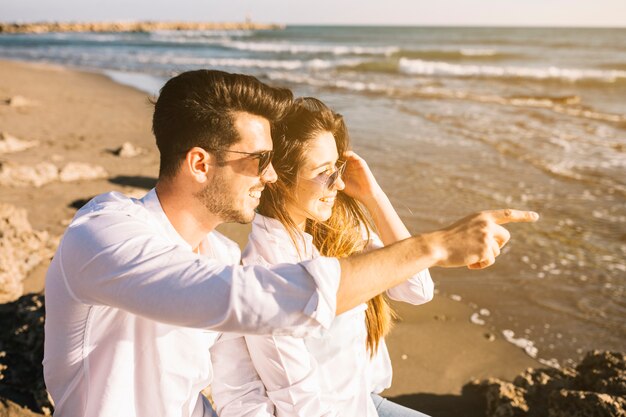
{"type": "Point", "coordinates": [435, 349]}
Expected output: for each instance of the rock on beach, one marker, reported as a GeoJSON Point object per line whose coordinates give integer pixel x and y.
{"type": "Point", "coordinates": [21, 250]}
{"type": "Point", "coordinates": [595, 388]}
{"type": "Point", "coordinates": [17, 175]}
{"type": "Point", "coordinates": [10, 144]}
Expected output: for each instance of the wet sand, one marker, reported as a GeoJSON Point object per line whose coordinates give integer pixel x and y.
{"type": "Point", "coordinates": [83, 117]}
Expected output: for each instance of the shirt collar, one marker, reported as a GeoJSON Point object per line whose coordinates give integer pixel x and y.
{"type": "Point", "coordinates": [151, 203]}
{"type": "Point", "coordinates": [278, 231]}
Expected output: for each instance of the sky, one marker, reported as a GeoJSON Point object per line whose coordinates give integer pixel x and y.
{"type": "Point", "coordinates": [595, 13]}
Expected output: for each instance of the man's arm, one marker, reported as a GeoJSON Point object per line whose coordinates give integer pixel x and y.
{"type": "Point", "coordinates": [119, 261]}
{"type": "Point", "coordinates": [474, 241]}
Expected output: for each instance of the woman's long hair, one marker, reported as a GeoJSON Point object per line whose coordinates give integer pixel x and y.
{"type": "Point", "coordinates": [343, 233]}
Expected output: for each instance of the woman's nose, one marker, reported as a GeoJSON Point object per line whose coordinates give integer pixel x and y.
{"type": "Point", "coordinates": [339, 184]}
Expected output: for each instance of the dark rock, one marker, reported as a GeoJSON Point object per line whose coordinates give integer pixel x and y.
{"type": "Point", "coordinates": [503, 399]}
{"type": "Point", "coordinates": [565, 403]}
{"type": "Point", "coordinates": [595, 388]}
{"type": "Point", "coordinates": [538, 384]}
{"type": "Point", "coordinates": [21, 353]}
{"type": "Point", "coordinates": [10, 409]}
{"type": "Point", "coordinates": [603, 372]}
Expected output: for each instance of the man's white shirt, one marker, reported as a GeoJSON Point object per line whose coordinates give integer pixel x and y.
{"type": "Point", "coordinates": [131, 310]}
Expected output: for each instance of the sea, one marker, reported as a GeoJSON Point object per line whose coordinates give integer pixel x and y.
{"type": "Point", "coordinates": [451, 120]}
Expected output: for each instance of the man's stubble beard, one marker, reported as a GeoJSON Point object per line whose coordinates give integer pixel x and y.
{"type": "Point", "coordinates": [220, 202]}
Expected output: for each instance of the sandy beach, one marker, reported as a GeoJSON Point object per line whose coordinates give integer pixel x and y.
{"type": "Point", "coordinates": [85, 117]}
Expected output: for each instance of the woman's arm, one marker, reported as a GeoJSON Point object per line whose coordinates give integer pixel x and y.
{"type": "Point", "coordinates": [361, 184]}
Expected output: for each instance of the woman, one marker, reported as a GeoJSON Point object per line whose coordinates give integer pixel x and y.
{"type": "Point", "coordinates": [316, 207]}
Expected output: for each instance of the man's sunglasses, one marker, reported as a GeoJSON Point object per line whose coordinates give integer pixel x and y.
{"type": "Point", "coordinates": [264, 157]}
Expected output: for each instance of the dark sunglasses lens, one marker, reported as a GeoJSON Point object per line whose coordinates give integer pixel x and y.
{"type": "Point", "coordinates": [335, 176]}
{"type": "Point", "coordinates": [264, 161]}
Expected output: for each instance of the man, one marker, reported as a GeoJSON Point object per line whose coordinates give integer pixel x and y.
{"type": "Point", "coordinates": [139, 289]}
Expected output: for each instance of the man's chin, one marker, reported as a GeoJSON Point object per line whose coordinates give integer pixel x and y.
{"type": "Point", "coordinates": [240, 217]}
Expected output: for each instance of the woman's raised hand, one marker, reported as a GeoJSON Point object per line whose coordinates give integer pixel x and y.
{"type": "Point", "coordinates": [358, 178]}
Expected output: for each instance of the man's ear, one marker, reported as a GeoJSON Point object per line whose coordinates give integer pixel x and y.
{"type": "Point", "coordinates": [199, 164]}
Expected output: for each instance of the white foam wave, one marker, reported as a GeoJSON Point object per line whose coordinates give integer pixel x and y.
{"type": "Point", "coordinates": [358, 86]}
{"type": "Point", "coordinates": [292, 48]}
{"type": "Point", "coordinates": [313, 64]}
{"type": "Point", "coordinates": [88, 36]}
{"type": "Point", "coordinates": [526, 344]}
{"type": "Point", "coordinates": [421, 67]}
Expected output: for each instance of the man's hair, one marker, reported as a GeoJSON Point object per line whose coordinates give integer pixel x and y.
{"type": "Point", "coordinates": [197, 108]}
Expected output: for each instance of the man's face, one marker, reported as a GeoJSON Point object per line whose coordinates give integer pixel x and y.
{"type": "Point", "coordinates": [235, 189]}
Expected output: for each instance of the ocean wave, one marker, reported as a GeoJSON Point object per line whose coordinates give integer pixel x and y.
{"type": "Point", "coordinates": [87, 36]}
{"type": "Point", "coordinates": [467, 54]}
{"type": "Point", "coordinates": [421, 67]}
{"type": "Point", "coordinates": [294, 48]}
{"type": "Point", "coordinates": [334, 83]}
{"type": "Point", "coordinates": [204, 37]}
{"type": "Point", "coordinates": [570, 105]}
{"type": "Point", "coordinates": [313, 64]}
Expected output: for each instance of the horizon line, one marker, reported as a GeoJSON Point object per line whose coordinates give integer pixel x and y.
{"type": "Point", "coordinates": [407, 25]}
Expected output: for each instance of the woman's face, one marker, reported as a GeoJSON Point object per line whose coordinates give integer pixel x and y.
{"type": "Point", "coordinates": [312, 198]}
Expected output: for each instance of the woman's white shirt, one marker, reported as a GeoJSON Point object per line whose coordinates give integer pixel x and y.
{"type": "Point", "coordinates": [331, 375]}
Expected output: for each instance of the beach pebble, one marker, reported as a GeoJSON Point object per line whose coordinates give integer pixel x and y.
{"type": "Point", "coordinates": [20, 101]}
{"type": "Point", "coordinates": [75, 171]}
{"type": "Point", "coordinates": [9, 143]}
{"type": "Point", "coordinates": [484, 312]}
{"type": "Point", "coordinates": [404, 357]}
{"type": "Point", "coordinates": [455, 297]}
{"type": "Point", "coordinates": [128, 150]}
{"type": "Point", "coordinates": [490, 336]}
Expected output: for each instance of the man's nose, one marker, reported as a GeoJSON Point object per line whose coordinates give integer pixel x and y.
{"type": "Point", "coordinates": [269, 175]}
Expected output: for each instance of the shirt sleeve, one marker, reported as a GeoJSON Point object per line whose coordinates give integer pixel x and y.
{"type": "Point", "coordinates": [118, 260]}
{"type": "Point", "coordinates": [237, 389]}
{"type": "Point", "coordinates": [418, 289]}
